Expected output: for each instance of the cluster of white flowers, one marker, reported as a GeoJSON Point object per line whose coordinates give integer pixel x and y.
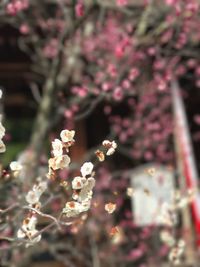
{"type": "Point", "coordinates": [82, 186]}
{"type": "Point", "coordinates": [34, 195]}
{"type": "Point", "coordinates": [181, 201]}
{"type": "Point", "coordinates": [28, 228]}
{"type": "Point", "coordinates": [168, 212]}
{"type": "Point", "coordinates": [82, 192]}
{"type": "Point", "coordinates": [177, 252]}
{"type": "Point", "coordinates": [2, 133]}
{"type": "Point", "coordinates": [110, 146]}
{"type": "Point", "coordinates": [168, 216]}
{"type": "Point", "coordinates": [59, 159]}
{"type": "Point", "coordinates": [177, 247]}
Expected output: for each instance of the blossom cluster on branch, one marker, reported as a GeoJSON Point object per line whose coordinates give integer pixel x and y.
{"type": "Point", "coordinates": [82, 187]}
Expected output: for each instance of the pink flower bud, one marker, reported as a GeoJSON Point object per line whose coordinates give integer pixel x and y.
{"type": "Point", "coordinates": [10, 9]}
{"type": "Point", "coordinates": [79, 9]}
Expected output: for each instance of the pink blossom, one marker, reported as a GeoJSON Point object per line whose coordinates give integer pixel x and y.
{"type": "Point", "coordinates": [119, 51]}
{"type": "Point", "coordinates": [197, 71]}
{"type": "Point", "coordinates": [170, 2]}
{"type": "Point", "coordinates": [122, 2]}
{"type": "Point", "coordinates": [118, 94]}
{"type": "Point", "coordinates": [10, 9]}
{"type": "Point", "coordinates": [198, 83]}
{"type": "Point", "coordinates": [191, 63]}
{"type": "Point", "coordinates": [151, 51]}
{"type": "Point", "coordinates": [134, 73]}
{"type": "Point", "coordinates": [79, 8]}
{"type": "Point", "coordinates": [197, 119]}
{"type": "Point", "coordinates": [68, 113]}
{"type": "Point", "coordinates": [24, 29]}
{"type": "Point", "coordinates": [135, 254]}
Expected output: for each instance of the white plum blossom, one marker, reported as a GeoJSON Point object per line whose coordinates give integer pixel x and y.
{"type": "Point", "coordinates": [85, 206]}
{"type": "Point", "coordinates": [2, 147]}
{"type": "Point", "coordinates": [86, 193]}
{"type": "Point", "coordinates": [87, 169]}
{"type": "Point", "coordinates": [2, 133]}
{"type": "Point", "coordinates": [30, 223]}
{"type": "Point", "coordinates": [52, 164]}
{"type": "Point", "coordinates": [111, 146]}
{"type": "Point", "coordinates": [35, 239]}
{"type": "Point", "coordinates": [67, 136]}
{"type": "Point", "coordinates": [57, 148]}
{"type": "Point", "coordinates": [82, 195]}
{"type": "Point", "coordinates": [72, 209]}
{"type": "Point", "coordinates": [78, 182]}
{"type": "Point", "coordinates": [63, 161]}
{"type": "Point", "coordinates": [28, 230]}
{"type": "Point", "coordinates": [21, 234]}
{"type": "Point", "coordinates": [100, 155]}
{"type": "Point", "coordinates": [110, 207]}
{"type": "Point", "coordinates": [59, 162]}
{"type": "Point", "coordinates": [33, 197]}
{"type": "Point", "coordinates": [177, 252]}
{"type": "Point", "coordinates": [15, 166]}
{"type": "Point", "coordinates": [42, 186]}
{"type": "Point", "coordinates": [2, 130]}
{"type": "Point", "coordinates": [111, 150]}
{"type": "Point", "coordinates": [50, 174]}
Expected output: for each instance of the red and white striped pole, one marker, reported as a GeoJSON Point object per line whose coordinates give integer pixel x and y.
{"type": "Point", "coordinates": [186, 155]}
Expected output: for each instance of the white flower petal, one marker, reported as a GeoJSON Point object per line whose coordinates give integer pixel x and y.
{"type": "Point", "coordinates": [33, 197]}
{"type": "Point", "coordinates": [57, 148]}
{"type": "Point", "coordinates": [78, 182]}
{"type": "Point", "coordinates": [2, 147]}
{"type": "Point", "coordinates": [15, 166]}
{"type": "Point", "coordinates": [20, 234]}
{"type": "Point", "coordinates": [67, 136]}
{"type": "Point", "coordinates": [87, 169]}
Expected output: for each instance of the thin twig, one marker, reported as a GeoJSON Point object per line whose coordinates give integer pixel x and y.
{"type": "Point", "coordinates": [13, 206]}
{"type": "Point", "coordinates": [43, 215]}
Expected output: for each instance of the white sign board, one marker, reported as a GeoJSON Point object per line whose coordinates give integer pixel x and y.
{"type": "Point", "coordinates": [153, 185]}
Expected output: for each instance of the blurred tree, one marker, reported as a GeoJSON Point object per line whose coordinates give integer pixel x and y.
{"type": "Point", "coordinates": [109, 64]}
